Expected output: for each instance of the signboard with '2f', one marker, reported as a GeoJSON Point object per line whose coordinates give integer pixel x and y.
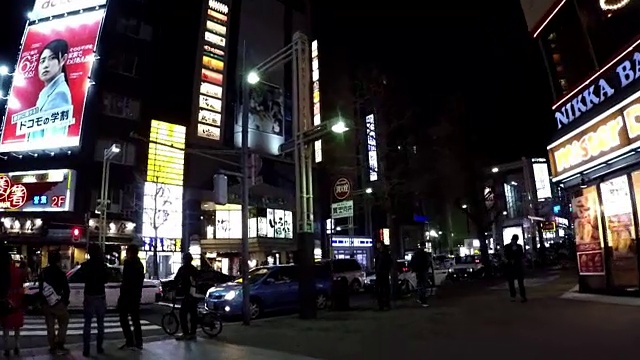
{"type": "Point", "coordinates": [342, 209]}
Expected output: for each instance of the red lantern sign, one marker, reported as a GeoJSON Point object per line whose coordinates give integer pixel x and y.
{"type": "Point", "coordinates": [11, 196]}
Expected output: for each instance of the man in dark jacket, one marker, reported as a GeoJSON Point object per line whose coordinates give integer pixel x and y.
{"type": "Point", "coordinates": [96, 275]}
{"type": "Point", "coordinates": [383, 263]}
{"type": "Point", "coordinates": [130, 296]}
{"type": "Point", "coordinates": [54, 292]}
{"type": "Point", "coordinates": [514, 268]}
{"type": "Point", "coordinates": [420, 264]}
{"type": "Point", "coordinates": [186, 280]}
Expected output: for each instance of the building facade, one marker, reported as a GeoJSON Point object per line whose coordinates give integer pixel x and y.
{"type": "Point", "coordinates": [78, 88]}
{"type": "Point", "coordinates": [591, 52]}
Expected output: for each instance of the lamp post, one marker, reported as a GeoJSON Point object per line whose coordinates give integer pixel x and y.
{"type": "Point", "coordinates": [304, 134]}
{"type": "Point", "coordinates": [109, 154]}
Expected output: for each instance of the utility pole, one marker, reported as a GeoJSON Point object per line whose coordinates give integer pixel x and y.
{"type": "Point", "coordinates": [244, 164]}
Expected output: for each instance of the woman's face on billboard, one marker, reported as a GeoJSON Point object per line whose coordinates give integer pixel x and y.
{"type": "Point", "coordinates": [50, 65]}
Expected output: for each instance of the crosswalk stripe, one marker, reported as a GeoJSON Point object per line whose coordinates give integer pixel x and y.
{"type": "Point", "coordinates": [74, 332]}
{"type": "Point", "coordinates": [36, 326]}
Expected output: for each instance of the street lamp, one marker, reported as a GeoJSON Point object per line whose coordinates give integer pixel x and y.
{"type": "Point", "coordinates": [368, 190]}
{"type": "Point", "coordinates": [464, 206]}
{"type": "Point", "coordinates": [339, 127]}
{"type": "Point", "coordinates": [4, 70]}
{"type": "Point", "coordinates": [495, 170]}
{"type": "Point", "coordinates": [253, 78]}
{"type": "Point", "coordinates": [109, 154]}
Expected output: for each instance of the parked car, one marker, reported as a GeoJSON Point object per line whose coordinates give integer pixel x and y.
{"type": "Point", "coordinates": [207, 278]}
{"type": "Point", "coordinates": [151, 290]}
{"type": "Point", "coordinates": [273, 288]}
{"type": "Point", "coordinates": [349, 269]}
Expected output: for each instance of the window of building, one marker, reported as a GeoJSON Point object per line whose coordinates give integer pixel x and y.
{"type": "Point", "coordinates": [567, 50]}
{"type": "Point", "coordinates": [120, 106]}
{"type": "Point", "coordinates": [134, 27]}
{"type": "Point", "coordinates": [609, 31]}
{"type": "Point", "coordinates": [124, 63]}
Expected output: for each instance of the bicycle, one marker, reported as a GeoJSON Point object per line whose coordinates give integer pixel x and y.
{"type": "Point", "coordinates": [209, 321]}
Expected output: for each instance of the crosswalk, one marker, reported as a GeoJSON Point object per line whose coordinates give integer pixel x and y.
{"type": "Point", "coordinates": [36, 326]}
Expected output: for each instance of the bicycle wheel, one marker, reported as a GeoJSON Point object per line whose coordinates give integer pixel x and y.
{"type": "Point", "coordinates": [211, 324]}
{"type": "Point", "coordinates": [170, 323]}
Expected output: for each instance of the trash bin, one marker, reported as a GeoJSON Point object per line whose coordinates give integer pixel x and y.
{"type": "Point", "coordinates": [340, 294]}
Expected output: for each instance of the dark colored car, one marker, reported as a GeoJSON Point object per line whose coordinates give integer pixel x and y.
{"type": "Point", "coordinates": [207, 278]}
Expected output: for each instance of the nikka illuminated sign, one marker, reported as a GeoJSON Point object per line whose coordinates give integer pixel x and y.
{"type": "Point", "coordinates": [606, 136]}
{"type": "Point", "coordinates": [626, 70]}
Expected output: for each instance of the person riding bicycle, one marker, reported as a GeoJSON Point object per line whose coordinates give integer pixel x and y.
{"type": "Point", "coordinates": [186, 288]}
{"type": "Point", "coordinates": [420, 264]}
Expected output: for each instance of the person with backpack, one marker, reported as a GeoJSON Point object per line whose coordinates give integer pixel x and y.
{"type": "Point", "coordinates": [54, 290]}
{"type": "Point", "coordinates": [96, 276]}
{"type": "Point", "coordinates": [421, 265]}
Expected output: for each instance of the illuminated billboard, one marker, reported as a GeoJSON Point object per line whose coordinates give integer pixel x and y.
{"type": "Point", "coordinates": [315, 78]}
{"type": "Point", "coordinates": [372, 147]}
{"type": "Point", "coordinates": [162, 211]}
{"type": "Point", "coordinates": [48, 8]}
{"type": "Point", "coordinates": [210, 99]}
{"type": "Point", "coordinates": [165, 164]}
{"type": "Point", "coordinates": [46, 104]}
{"type": "Point", "coordinates": [38, 190]}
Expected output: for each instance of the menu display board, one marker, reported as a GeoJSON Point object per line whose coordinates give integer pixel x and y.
{"type": "Point", "coordinates": [588, 234]}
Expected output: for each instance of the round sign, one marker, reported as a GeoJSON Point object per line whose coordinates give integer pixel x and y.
{"type": "Point", "coordinates": [342, 188]}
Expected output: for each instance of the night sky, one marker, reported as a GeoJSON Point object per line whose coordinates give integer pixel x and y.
{"type": "Point", "coordinates": [479, 50]}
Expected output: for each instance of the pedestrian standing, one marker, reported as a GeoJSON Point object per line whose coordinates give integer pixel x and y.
{"type": "Point", "coordinates": [421, 265]}
{"type": "Point", "coordinates": [15, 319]}
{"type": "Point", "coordinates": [186, 278]}
{"type": "Point", "coordinates": [96, 275]}
{"type": "Point", "coordinates": [129, 299]}
{"type": "Point", "coordinates": [383, 263]}
{"type": "Point", "coordinates": [54, 292]}
{"type": "Point", "coordinates": [514, 268]}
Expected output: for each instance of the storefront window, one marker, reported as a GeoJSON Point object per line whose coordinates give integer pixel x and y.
{"type": "Point", "coordinates": [586, 217]}
{"type": "Point", "coordinates": [618, 215]}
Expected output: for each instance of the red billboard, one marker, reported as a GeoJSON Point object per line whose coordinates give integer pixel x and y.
{"type": "Point", "coordinates": [47, 99]}
{"type": "Point", "coordinates": [38, 190]}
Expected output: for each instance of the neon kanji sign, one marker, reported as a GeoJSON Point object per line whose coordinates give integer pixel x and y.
{"type": "Point", "coordinates": [12, 196]}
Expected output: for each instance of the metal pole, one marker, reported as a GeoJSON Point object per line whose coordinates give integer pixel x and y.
{"type": "Point", "coordinates": [103, 208]}
{"type": "Point", "coordinates": [244, 162]}
{"type": "Point", "coordinates": [106, 196]}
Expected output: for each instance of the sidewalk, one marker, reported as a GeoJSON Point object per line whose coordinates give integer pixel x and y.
{"type": "Point", "coordinates": [172, 349]}
{"type": "Point", "coordinates": [477, 324]}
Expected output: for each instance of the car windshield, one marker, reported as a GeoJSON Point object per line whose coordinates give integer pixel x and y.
{"type": "Point", "coordinates": [255, 275]}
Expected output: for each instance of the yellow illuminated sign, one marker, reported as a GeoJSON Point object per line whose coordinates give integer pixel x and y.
{"type": "Point", "coordinates": [165, 163]}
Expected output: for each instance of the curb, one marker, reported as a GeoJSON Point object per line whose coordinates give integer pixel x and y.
{"type": "Point", "coordinates": [39, 351]}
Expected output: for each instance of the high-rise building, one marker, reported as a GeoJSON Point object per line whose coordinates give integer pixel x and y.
{"type": "Point", "coordinates": [205, 61]}
{"type": "Point", "coordinates": [78, 88]}
{"type": "Point", "coordinates": [591, 48]}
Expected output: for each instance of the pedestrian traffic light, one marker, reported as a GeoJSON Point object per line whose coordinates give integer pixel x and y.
{"type": "Point", "coordinates": [75, 233]}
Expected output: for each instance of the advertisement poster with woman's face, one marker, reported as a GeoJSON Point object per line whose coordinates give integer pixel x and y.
{"type": "Point", "coordinates": [586, 210]}
{"type": "Point", "coordinates": [50, 84]}
{"type": "Point", "coordinates": [618, 215]}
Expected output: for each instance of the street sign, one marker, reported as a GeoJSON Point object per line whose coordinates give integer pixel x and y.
{"type": "Point", "coordinates": [342, 209]}
{"type": "Point", "coordinates": [342, 188]}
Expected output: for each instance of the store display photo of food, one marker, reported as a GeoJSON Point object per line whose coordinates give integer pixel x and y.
{"type": "Point", "coordinates": [588, 233]}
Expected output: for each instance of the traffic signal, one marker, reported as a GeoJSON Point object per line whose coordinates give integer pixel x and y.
{"type": "Point", "coordinates": [75, 233]}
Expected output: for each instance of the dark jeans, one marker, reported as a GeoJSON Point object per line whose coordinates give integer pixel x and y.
{"type": "Point", "coordinates": [512, 277]}
{"type": "Point", "coordinates": [383, 291]}
{"type": "Point", "coordinates": [93, 306]}
{"type": "Point", "coordinates": [423, 286]}
{"type": "Point", "coordinates": [59, 313]}
{"type": "Point", "coordinates": [124, 311]}
{"type": "Point", "coordinates": [189, 308]}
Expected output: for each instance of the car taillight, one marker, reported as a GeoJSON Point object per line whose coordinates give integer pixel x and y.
{"type": "Point", "coordinates": [159, 290]}
{"type": "Point", "coordinates": [404, 269]}
{"type": "Point", "coordinates": [477, 261]}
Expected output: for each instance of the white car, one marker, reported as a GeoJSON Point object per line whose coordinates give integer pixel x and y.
{"type": "Point", "coordinates": [151, 290]}
{"type": "Point", "coordinates": [407, 278]}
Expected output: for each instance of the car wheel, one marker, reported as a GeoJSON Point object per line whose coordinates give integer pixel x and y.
{"type": "Point", "coordinates": [356, 286]}
{"type": "Point", "coordinates": [255, 308]}
{"type": "Point", "coordinates": [322, 301]}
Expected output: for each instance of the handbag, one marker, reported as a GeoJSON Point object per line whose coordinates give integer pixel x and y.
{"type": "Point", "coordinates": [6, 307]}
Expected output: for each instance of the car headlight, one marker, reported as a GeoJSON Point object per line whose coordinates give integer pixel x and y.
{"type": "Point", "coordinates": [450, 270]}
{"type": "Point", "coordinates": [230, 295]}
